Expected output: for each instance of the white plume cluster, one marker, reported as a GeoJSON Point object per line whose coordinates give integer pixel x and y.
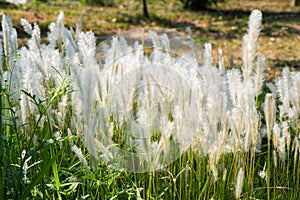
{"type": "Point", "coordinates": [148, 108]}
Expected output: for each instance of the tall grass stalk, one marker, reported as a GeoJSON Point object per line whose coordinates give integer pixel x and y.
{"type": "Point", "coordinates": [144, 122]}
{"type": "Point", "coordinates": [270, 118]}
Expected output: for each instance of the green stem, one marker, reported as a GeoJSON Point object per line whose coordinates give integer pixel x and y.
{"type": "Point", "coordinates": [149, 185]}
{"type": "Point", "coordinates": [54, 167]}
{"type": "Point", "coordinates": [2, 183]}
{"type": "Point", "coordinates": [269, 169]}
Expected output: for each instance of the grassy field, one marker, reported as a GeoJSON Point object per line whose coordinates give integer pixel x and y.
{"type": "Point", "coordinates": [223, 26]}
{"type": "Point", "coordinates": [73, 128]}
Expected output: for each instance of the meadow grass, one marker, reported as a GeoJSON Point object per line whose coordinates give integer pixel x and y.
{"type": "Point", "coordinates": [66, 131]}
{"type": "Point", "coordinates": [222, 26]}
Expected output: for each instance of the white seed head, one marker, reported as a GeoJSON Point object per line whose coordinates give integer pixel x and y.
{"type": "Point", "coordinates": [239, 183]}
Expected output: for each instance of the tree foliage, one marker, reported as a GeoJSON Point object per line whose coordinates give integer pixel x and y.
{"type": "Point", "coordinates": [98, 2]}
{"type": "Point", "coordinates": [199, 4]}
{"type": "Point", "coordinates": [295, 3]}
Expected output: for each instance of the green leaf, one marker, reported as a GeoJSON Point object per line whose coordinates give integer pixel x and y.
{"type": "Point", "coordinates": [40, 176]}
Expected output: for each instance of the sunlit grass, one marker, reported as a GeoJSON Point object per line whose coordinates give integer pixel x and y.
{"type": "Point", "coordinates": [58, 119]}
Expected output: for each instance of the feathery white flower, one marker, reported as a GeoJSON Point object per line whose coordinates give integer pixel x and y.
{"type": "Point", "coordinates": [259, 74]}
{"type": "Point", "coordinates": [283, 85]}
{"type": "Point", "coordinates": [239, 183]}
{"type": "Point", "coordinates": [207, 55]}
{"type": "Point", "coordinates": [276, 135]}
{"type": "Point", "coordinates": [221, 62]}
{"type": "Point", "coordinates": [6, 29]}
{"type": "Point", "coordinates": [250, 42]}
{"type": "Point", "coordinates": [56, 30]}
{"type": "Point", "coordinates": [1, 54]}
{"type": "Point", "coordinates": [273, 89]}
{"type": "Point", "coordinates": [286, 134]}
{"type": "Point", "coordinates": [282, 148]}
{"type": "Point", "coordinates": [87, 49]}
{"type": "Point", "coordinates": [275, 159]}
{"type": "Point", "coordinates": [10, 43]}
{"type": "Point", "coordinates": [166, 42]}
{"type": "Point", "coordinates": [70, 46]}
{"type": "Point", "coordinates": [270, 113]}
{"type": "Point", "coordinates": [295, 94]}
{"type": "Point", "coordinates": [80, 156]}
{"type": "Point", "coordinates": [235, 85]}
{"type": "Point", "coordinates": [263, 173]}
{"type": "Point", "coordinates": [192, 43]}
{"type": "Point", "coordinates": [26, 26]}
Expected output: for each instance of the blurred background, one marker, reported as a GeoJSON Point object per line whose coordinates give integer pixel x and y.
{"type": "Point", "coordinates": [220, 22]}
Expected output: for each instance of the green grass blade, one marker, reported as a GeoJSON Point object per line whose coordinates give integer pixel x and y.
{"type": "Point", "coordinates": [204, 188]}
{"type": "Point", "coordinates": [55, 173]}
{"type": "Point", "coordinates": [40, 175]}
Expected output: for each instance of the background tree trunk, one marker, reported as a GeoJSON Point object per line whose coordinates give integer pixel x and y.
{"type": "Point", "coordinates": [145, 9]}
{"type": "Point", "coordinates": [295, 3]}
